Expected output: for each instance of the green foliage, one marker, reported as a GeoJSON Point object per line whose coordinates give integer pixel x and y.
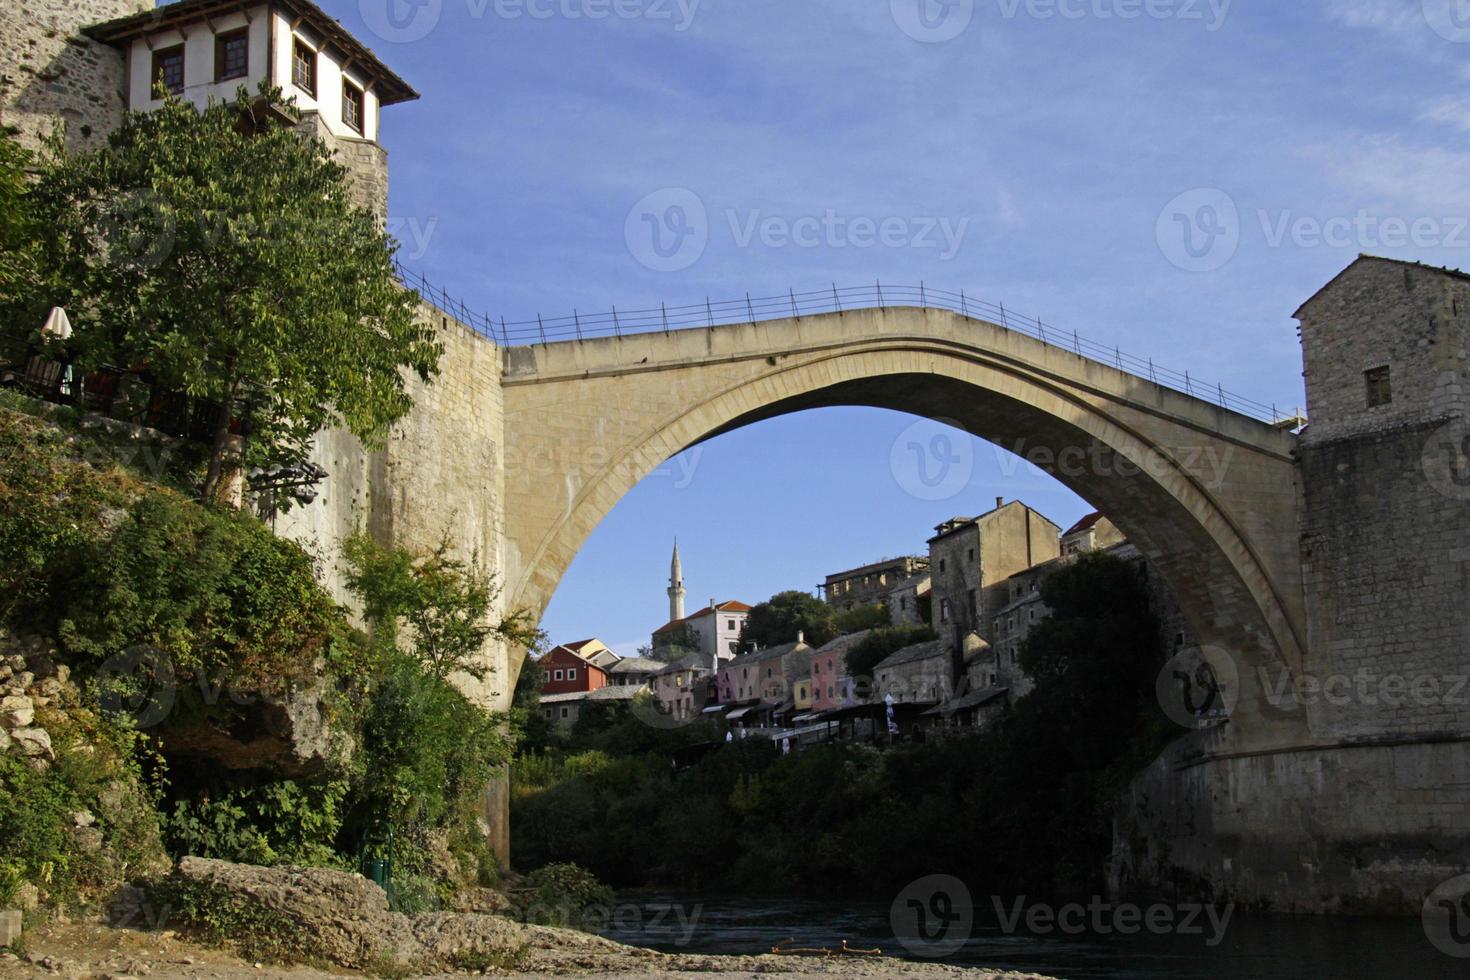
{"type": "Point", "coordinates": [23, 283]}
{"type": "Point", "coordinates": [35, 814]}
{"type": "Point", "coordinates": [444, 603]}
{"type": "Point", "coordinates": [223, 251]}
{"type": "Point", "coordinates": [427, 750]}
{"type": "Point", "coordinates": [272, 824]}
{"type": "Point", "coordinates": [213, 589]}
{"type": "Point", "coordinates": [882, 643]}
{"type": "Point", "coordinates": [675, 645]}
{"type": "Point", "coordinates": [566, 894]}
{"type": "Point", "coordinates": [779, 619]}
{"type": "Point", "coordinates": [534, 732]}
{"type": "Point", "coordinates": [863, 618]}
{"type": "Point", "coordinates": [215, 915]}
{"type": "Point", "coordinates": [51, 515]}
{"type": "Point", "coordinates": [848, 818]}
{"type": "Point", "coordinates": [95, 770]}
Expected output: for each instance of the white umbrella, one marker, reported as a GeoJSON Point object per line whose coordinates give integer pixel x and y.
{"type": "Point", "coordinates": [57, 325]}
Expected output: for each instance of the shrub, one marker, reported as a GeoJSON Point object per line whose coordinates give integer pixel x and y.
{"type": "Point", "coordinates": [272, 824]}
{"type": "Point", "coordinates": [568, 895]}
{"type": "Point", "coordinates": [214, 589]}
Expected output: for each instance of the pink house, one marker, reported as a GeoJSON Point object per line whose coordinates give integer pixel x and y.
{"type": "Point", "coordinates": [830, 685]}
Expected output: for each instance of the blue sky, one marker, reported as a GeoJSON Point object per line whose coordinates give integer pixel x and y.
{"type": "Point", "coordinates": [1173, 176]}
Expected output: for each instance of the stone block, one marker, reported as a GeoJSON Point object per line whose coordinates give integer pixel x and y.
{"type": "Point", "coordinates": [17, 711]}
{"type": "Point", "coordinates": [10, 927]}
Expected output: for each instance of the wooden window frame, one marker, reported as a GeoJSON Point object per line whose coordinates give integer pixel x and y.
{"type": "Point", "coordinates": [165, 54]}
{"type": "Point", "coordinates": [312, 68]}
{"type": "Point", "coordinates": [221, 46]}
{"type": "Point", "coordinates": [354, 95]}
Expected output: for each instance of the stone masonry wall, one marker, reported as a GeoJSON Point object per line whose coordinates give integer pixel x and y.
{"type": "Point", "coordinates": [366, 163]}
{"type": "Point", "coordinates": [1386, 506]}
{"type": "Point", "coordinates": [1349, 830]}
{"type": "Point", "coordinates": [50, 73]}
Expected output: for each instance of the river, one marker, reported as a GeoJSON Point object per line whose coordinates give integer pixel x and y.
{"type": "Point", "coordinates": [1258, 948]}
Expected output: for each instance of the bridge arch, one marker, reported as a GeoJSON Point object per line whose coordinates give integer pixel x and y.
{"type": "Point", "coordinates": [1207, 495]}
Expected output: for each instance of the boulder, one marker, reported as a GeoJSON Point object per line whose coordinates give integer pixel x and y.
{"type": "Point", "coordinates": [10, 927]}
{"type": "Point", "coordinates": [343, 917]}
{"type": "Point", "coordinates": [17, 711]}
{"type": "Point", "coordinates": [33, 742]}
{"type": "Point", "coordinates": [291, 735]}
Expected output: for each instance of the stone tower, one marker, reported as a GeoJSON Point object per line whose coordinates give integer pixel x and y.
{"type": "Point", "coordinates": [53, 75]}
{"type": "Point", "coordinates": [1385, 474]}
{"type": "Point", "coordinates": [676, 587]}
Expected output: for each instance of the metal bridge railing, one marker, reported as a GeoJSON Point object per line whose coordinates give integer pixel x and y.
{"type": "Point", "coordinates": [748, 309]}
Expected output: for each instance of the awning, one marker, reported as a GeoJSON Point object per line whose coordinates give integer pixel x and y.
{"type": "Point", "coordinates": [713, 709]}
{"type": "Point", "coordinates": [739, 713]}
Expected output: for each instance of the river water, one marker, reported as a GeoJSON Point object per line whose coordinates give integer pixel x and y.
{"type": "Point", "coordinates": [1257, 948]}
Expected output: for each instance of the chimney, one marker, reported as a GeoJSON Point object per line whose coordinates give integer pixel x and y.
{"type": "Point", "coordinates": [1000, 502]}
{"type": "Point", "coordinates": [801, 636]}
{"type": "Point", "coordinates": [712, 603]}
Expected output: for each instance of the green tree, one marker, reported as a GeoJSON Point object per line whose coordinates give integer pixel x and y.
{"type": "Point", "coordinates": [861, 618]}
{"type": "Point", "coordinates": [444, 603]}
{"type": "Point", "coordinates": [785, 614]}
{"type": "Point", "coordinates": [674, 645]}
{"type": "Point", "coordinates": [881, 644]}
{"type": "Point", "coordinates": [219, 250]}
{"type": "Point", "coordinates": [20, 230]}
{"type": "Point", "coordinates": [533, 730]}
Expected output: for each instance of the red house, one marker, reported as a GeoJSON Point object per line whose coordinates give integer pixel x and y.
{"type": "Point", "coordinates": [570, 670]}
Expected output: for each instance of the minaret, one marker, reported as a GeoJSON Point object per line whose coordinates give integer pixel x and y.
{"type": "Point", "coordinates": [676, 586]}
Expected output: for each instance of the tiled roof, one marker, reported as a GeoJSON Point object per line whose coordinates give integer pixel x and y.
{"type": "Point", "coordinates": [843, 643]}
{"type": "Point", "coordinates": [391, 88]}
{"type": "Point", "coordinates": [637, 665]}
{"type": "Point", "coordinates": [761, 656]}
{"type": "Point", "coordinates": [972, 700]}
{"type": "Point", "coordinates": [1086, 522]}
{"type": "Point", "coordinates": [917, 652]}
{"type": "Point", "coordinates": [611, 693]}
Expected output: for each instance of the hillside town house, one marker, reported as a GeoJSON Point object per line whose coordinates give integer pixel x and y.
{"type": "Point", "coordinates": [582, 673]}
{"type": "Point", "coordinates": [971, 560]}
{"type": "Point", "coordinates": [202, 50]}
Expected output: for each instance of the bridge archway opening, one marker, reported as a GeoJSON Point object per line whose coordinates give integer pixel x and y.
{"type": "Point", "coordinates": [1197, 492]}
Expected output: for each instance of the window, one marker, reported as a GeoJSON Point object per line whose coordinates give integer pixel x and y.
{"type": "Point", "coordinates": [941, 566]}
{"type": "Point", "coordinates": [557, 675]}
{"type": "Point", "coordinates": [548, 712]}
{"type": "Point", "coordinates": [231, 55]}
{"type": "Point", "coordinates": [352, 99]}
{"type": "Point", "coordinates": [944, 610]}
{"type": "Point", "coordinates": [572, 674]}
{"type": "Point", "coordinates": [1380, 387]}
{"type": "Point", "coordinates": [729, 624]}
{"type": "Point", "coordinates": [168, 69]}
{"type": "Point", "coordinates": [303, 67]}
{"type": "Point", "coordinates": [972, 554]}
{"type": "Point", "coordinates": [565, 712]}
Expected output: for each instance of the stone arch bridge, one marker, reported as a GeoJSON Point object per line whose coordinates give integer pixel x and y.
{"type": "Point", "coordinates": [1207, 493]}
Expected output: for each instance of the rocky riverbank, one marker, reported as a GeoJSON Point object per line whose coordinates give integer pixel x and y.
{"type": "Point", "coordinates": [214, 919]}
